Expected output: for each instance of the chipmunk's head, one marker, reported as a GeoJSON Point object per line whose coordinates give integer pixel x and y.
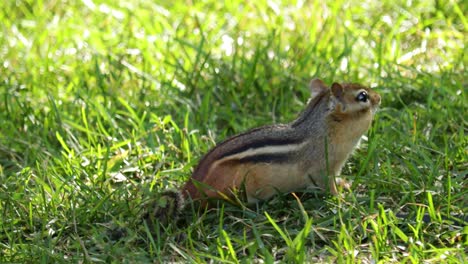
{"type": "Point", "coordinates": [354, 99]}
{"type": "Point", "coordinates": [348, 99]}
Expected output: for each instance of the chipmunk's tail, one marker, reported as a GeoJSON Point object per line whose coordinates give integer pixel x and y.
{"type": "Point", "coordinates": [169, 205]}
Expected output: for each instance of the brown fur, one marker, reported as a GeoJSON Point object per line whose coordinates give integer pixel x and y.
{"type": "Point", "coordinates": [288, 157]}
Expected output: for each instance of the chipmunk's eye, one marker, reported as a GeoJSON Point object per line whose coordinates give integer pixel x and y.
{"type": "Point", "coordinates": [362, 97]}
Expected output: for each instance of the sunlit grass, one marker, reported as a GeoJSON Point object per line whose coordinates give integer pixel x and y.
{"type": "Point", "coordinates": [104, 105]}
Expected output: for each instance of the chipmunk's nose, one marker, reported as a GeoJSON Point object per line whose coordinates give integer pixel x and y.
{"type": "Point", "coordinates": [376, 98]}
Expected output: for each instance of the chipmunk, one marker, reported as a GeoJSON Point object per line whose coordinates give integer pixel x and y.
{"type": "Point", "coordinates": [308, 152]}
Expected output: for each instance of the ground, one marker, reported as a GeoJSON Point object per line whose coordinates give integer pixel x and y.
{"type": "Point", "coordinates": [105, 104]}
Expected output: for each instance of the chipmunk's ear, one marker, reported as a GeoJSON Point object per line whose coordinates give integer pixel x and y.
{"type": "Point", "coordinates": [317, 86]}
{"type": "Point", "coordinates": [337, 90]}
{"type": "Point", "coordinates": [338, 95]}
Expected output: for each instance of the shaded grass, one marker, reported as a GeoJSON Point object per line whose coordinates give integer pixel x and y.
{"type": "Point", "coordinates": [104, 105]}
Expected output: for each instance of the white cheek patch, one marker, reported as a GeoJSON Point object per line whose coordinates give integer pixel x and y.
{"type": "Point", "coordinates": [357, 106]}
{"type": "Point", "coordinates": [354, 105]}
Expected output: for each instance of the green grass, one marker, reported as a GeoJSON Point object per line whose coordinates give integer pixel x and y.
{"type": "Point", "coordinates": [105, 105]}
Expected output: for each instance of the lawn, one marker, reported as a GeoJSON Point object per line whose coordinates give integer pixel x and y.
{"type": "Point", "coordinates": [106, 104]}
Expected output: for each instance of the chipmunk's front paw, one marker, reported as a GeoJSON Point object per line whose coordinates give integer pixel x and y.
{"type": "Point", "coordinates": [343, 184]}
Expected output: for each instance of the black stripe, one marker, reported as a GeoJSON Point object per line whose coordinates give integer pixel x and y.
{"type": "Point", "coordinates": [263, 143]}
{"type": "Point", "coordinates": [268, 158]}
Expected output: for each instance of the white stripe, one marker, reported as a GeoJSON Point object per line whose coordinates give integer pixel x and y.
{"type": "Point", "coordinates": [265, 150]}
